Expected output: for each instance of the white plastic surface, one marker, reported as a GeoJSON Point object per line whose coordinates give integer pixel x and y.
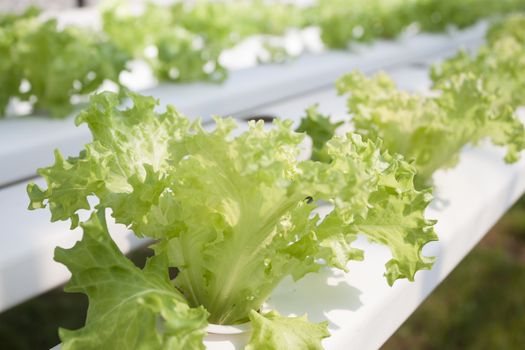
{"type": "Point", "coordinates": [227, 330]}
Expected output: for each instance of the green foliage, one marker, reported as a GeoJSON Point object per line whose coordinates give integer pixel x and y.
{"type": "Point", "coordinates": [500, 64]}
{"type": "Point", "coordinates": [474, 98]}
{"type": "Point", "coordinates": [320, 129]}
{"type": "Point", "coordinates": [183, 42]}
{"type": "Point", "coordinates": [235, 215]}
{"type": "Point", "coordinates": [47, 312]}
{"type": "Point", "coordinates": [512, 26]}
{"type": "Point", "coordinates": [345, 21]}
{"type": "Point", "coordinates": [431, 130]}
{"type": "Point", "coordinates": [9, 19]}
{"type": "Point", "coordinates": [129, 308]}
{"type": "Point", "coordinates": [273, 331]}
{"type": "Point", "coordinates": [437, 15]}
{"type": "Point", "coordinates": [46, 65]}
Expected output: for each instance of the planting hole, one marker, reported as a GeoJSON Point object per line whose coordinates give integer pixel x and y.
{"type": "Point", "coordinates": [267, 118]}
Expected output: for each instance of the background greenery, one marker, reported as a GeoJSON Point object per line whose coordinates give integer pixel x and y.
{"type": "Point", "coordinates": [481, 305]}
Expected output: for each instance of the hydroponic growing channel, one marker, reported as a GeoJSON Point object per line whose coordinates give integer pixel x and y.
{"type": "Point", "coordinates": [142, 162]}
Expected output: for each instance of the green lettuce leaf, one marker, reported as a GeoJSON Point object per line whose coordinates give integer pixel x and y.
{"type": "Point", "coordinates": [129, 308]}
{"type": "Point", "coordinates": [394, 218]}
{"type": "Point", "coordinates": [271, 331]}
{"type": "Point", "coordinates": [130, 150]}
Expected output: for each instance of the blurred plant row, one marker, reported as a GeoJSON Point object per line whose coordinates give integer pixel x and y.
{"type": "Point", "coordinates": [46, 64]}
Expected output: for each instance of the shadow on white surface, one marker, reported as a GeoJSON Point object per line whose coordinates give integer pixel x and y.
{"type": "Point", "coordinates": [322, 292]}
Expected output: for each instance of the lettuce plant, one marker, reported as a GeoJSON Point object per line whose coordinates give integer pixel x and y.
{"type": "Point", "coordinates": [233, 214]}
{"type": "Point", "coordinates": [500, 63]}
{"type": "Point", "coordinates": [431, 130]}
{"type": "Point", "coordinates": [46, 66]}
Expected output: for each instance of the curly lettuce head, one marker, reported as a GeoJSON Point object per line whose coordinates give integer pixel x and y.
{"type": "Point", "coordinates": [237, 214]}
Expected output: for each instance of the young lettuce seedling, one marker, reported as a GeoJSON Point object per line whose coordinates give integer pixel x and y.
{"type": "Point", "coordinates": [234, 215]}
